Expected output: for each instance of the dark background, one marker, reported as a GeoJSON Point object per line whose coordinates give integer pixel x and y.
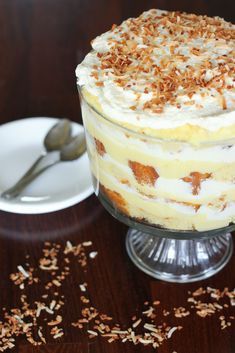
{"type": "Point", "coordinates": [41, 42]}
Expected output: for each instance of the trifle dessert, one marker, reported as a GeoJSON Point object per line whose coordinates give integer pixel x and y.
{"type": "Point", "coordinates": [158, 104]}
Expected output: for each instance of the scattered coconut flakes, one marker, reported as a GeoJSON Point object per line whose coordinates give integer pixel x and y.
{"type": "Point", "coordinates": [52, 304]}
{"type": "Point", "coordinates": [145, 341]}
{"type": "Point", "coordinates": [22, 270]}
{"type": "Point", "coordinates": [93, 333]}
{"type": "Point", "coordinates": [69, 245]}
{"type": "Point", "coordinates": [41, 336]}
{"type": "Point", "coordinates": [151, 327]}
{"type": "Point", "coordinates": [152, 335]}
{"type": "Point", "coordinates": [136, 323]}
{"type": "Point", "coordinates": [156, 302]}
{"type": "Point", "coordinates": [165, 312]}
{"type": "Point", "coordinates": [198, 292]}
{"type": "Point", "coordinates": [181, 312]}
{"type": "Point", "coordinates": [84, 299]}
{"type": "Point", "coordinates": [105, 317]}
{"type": "Point", "coordinates": [149, 312]}
{"type": "Point", "coordinates": [83, 287]}
{"type": "Point", "coordinates": [87, 243]}
{"type": "Point", "coordinates": [56, 282]}
{"type": "Point", "coordinates": [191, 300]}
{"type": "Point", "coordinates": [93, 254]}
{"type": "Point", "coordinates": [57, 321]}
{"type": "Point", "coordinates": [56, 332]}
{"type": "Point", "coordinates": [48, 265]}
{"type": "Point", "coordinates": [59, 334]}
{"type": "Point", "coordinates": [171, 331]}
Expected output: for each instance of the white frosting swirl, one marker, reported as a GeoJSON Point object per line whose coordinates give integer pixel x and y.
{"type": "Point", "coordinates": [177, 69]}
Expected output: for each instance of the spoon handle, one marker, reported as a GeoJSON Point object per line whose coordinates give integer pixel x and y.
{"type": "Point", "coordinates": [33, 167]}
{"type": "Point", "coordinates": [15, 190]}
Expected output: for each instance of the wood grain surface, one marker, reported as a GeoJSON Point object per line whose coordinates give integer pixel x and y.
{"type": "Point", "coordinates": [41, 42]}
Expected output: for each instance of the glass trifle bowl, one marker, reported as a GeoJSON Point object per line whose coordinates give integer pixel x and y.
{"type": "Point", "coordinates": [157, 210]}
{"type": "Point", "coordinates": [162, 146]}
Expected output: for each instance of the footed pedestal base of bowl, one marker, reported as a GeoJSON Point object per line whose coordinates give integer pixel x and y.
{"type": "Point", "coordinates": [179, 256]}
{"type": "Point", "coordinates": [179, 260]}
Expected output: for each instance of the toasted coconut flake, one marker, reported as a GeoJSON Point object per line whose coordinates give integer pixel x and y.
{"type": "Point", "coordinates": [87, 243]}
{"type": "Point", "coordinates": [82, 287]}
{"type": "Point", "coordinates": [172, 330]}
{"type": "Point", "coordinates": [69, 245]}
{"type": "Point", "coordinates": [59, 334]}
{"type": "Point", "coordinates": [41, 336]}
{"type": "Point", "coordinates": [56, 282]}
{"type": "Point", "coordinates": [57, 321]}
{"type": "Point", "coordinates": [136, 323]}
{"type": "Point", "coordinates": [22, 270]}
{"type": "Point", "coordinates": [93, 333]}
{"type": "Point", "coordinates": [93, 254]}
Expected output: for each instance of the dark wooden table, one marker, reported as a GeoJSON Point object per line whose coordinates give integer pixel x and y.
{"type": "Point", "coordinates": [41, 41]}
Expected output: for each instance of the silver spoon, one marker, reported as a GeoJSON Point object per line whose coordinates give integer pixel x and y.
{"type": "Point", "coordinates": [69, 152]}
{"type": "Point", "coordinates": [57, 136]}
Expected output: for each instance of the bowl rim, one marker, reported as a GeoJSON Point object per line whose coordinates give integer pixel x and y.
{"type": "Point", "coordinates": [149, 137]}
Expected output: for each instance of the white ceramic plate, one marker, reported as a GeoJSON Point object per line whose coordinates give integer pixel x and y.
{"type": "Point", "coordinates": [61, 186]}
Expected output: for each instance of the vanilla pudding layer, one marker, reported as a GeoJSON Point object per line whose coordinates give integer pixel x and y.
{"type": "Point", "coordinates": [166, 213]}
{"type": "Point", "coordinates": [165, 197]}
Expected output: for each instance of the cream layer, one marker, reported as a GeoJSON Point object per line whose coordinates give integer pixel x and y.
{"type": "Point", "coordinates": [166, 213]}
{"type": "Point", "coordinates": [172, 160]}
{"type": "Point", "coordinates": [164, 202]}
{"type": "Point", "coordinates": [211, 191]}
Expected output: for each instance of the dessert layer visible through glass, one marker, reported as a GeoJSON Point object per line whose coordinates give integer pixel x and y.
{"type": "Point", "coordinates": [168, 184]}
{"type": "Point", "coordinates": [165, 191]}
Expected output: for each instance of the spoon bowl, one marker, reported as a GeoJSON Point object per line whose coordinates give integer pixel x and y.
{"type": "Point", "coordinates": [74, 149]}
{"type": "Point", "coordinates": [58, 135]}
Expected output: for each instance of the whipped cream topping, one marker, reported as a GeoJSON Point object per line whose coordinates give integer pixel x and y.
{"type": "Point", "coordinates": [164, 70]}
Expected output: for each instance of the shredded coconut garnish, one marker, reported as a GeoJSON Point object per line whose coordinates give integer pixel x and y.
{"type": "Point", "coordinates": [164, 59]}
{"type": "Point", "coordinates": [22, 270]}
